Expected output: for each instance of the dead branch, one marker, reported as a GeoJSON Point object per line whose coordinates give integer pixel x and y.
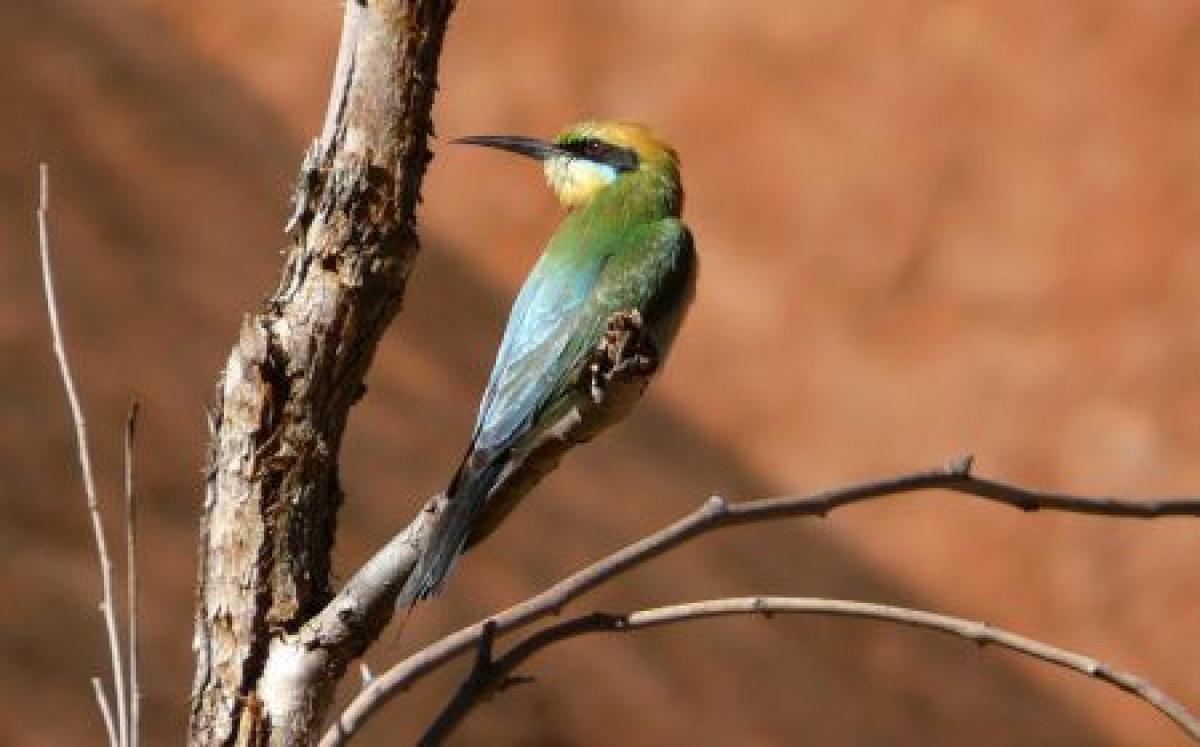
{"type": "Point", "coordinates": [131, 581]}
{"type": "Point", "coordinates": [272, 491]}
{"type": "Point", "coordinates": [715, 514]}
{"type": "Point", "coordinates": [102, 703]}
{"type": "Point", "coordinates": [490, 674]}
{"type": "Point", "coordinates": [120, 734]}
{"type": "Point", "coordinates": [485, 677]}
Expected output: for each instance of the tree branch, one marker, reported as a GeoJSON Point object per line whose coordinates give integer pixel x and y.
{"type": "Point", "coordinates": [718, 514]}
{"type": "Point", "coordinates": [131, 581]}
{"type": "Point", "coordinates": [483, 678]}
{"type": "Point", "coordinates": [106, 714]}
{"type": "Point", "coordinates": [119, 734]}
{"type": "Point", "coordinates": [272, 489]}
{"type": "Point", "coordinates": [488, 675]}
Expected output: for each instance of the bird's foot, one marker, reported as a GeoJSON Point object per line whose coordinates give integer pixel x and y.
{"type": "Point", "coordinates": [625, 354]}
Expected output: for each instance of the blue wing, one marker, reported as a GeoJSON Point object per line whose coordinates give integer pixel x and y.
{"type": "Point", "coordinates": [560, 314]}
{"type": "Point", "coordinates": [544, 318]}
{"type": "Point", "coordinates": [557, 318]}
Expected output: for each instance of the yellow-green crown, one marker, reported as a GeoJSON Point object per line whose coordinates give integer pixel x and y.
{"type": "Point", "coordinates": [596, 153]}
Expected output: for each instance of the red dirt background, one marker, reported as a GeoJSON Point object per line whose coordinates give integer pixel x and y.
{"type": "Point", "coordinates": [926, 229]}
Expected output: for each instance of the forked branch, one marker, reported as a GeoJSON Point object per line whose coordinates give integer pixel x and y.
{"type": "Point", "coordinates": [490, 674]}
{"type": "Point", "coordinates": [715, 514]}
{"type": "Point", "coordinates": [273, 489]}
{"type": "Point", "coordinates": [117, 724]}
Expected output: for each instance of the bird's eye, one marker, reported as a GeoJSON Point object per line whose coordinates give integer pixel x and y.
{"type": "Point", "coordinates": [594, 149]}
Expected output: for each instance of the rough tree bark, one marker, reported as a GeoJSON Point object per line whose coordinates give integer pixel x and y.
{"type": "Point", "coordinates": [272, 492]}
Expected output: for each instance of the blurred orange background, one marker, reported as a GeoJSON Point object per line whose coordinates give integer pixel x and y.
{"type": "Point", "coordinates": [926, 228]}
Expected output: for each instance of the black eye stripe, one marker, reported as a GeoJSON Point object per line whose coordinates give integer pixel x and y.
{"type": "Point", "coordinates": [621, 159]}
{"type": "Point", "coordinates": [589, 148]}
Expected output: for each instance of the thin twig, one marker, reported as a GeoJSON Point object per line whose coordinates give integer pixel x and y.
{"type": "Point", "coordinates": [486, 679]}
{"type": "Point", "coordinates": [482, 679]}
{"type": "Point", "coordinates": [105, 711]}
{"type": "Point", "coordinates": [135, 690]}
{"type": "Point", "coordinates": [715, 514]}
{"type": "Point", "coordinates": [85, 462]}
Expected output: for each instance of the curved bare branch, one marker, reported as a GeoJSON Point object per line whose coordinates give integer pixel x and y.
{"type": "Point", "coordinates": [119, 734]}
{"type": "Point", "coordinates": [714, 514]}
{"type": "Point", "coordinates": [487, 675]}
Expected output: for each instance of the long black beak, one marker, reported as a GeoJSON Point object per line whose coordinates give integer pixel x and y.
{"type": "Point", "coordinates": [525, 146]}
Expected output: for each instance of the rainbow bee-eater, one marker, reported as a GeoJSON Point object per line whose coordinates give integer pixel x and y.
{"type": "Point", "coordinates": [620, 248]}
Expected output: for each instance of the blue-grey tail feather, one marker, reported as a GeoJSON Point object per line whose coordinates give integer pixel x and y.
{"type": "Point", "coordinates": [465, 497]}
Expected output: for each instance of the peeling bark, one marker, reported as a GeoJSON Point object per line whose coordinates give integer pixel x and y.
{"type": "Point", "coordinates": [272, 494]}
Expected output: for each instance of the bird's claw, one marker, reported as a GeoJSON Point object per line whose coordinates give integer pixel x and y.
{"type": "Point", "coordinates": [623, 353]}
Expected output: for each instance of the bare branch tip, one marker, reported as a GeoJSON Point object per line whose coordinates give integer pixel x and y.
{"type": "Point", "coordinates": [43, 186]}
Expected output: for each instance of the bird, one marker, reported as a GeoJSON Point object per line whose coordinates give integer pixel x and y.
{"type": "Point", "coordinates": [620, 249]}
